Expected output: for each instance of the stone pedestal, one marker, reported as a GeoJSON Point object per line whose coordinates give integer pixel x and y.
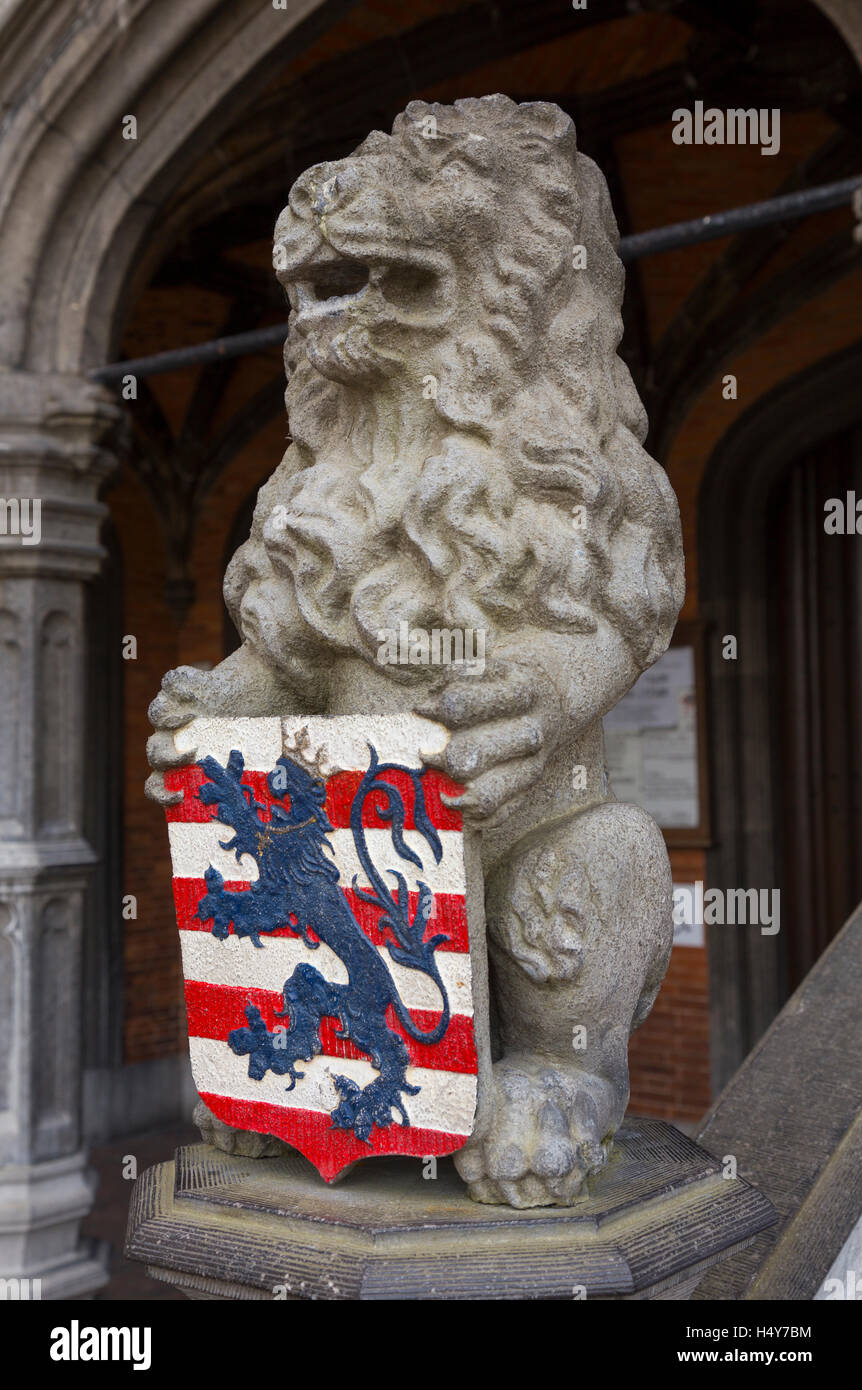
{"type": "Point", "coordinates": [52, 464]}
{"type": "Point", "coordinates": [221, 1227]}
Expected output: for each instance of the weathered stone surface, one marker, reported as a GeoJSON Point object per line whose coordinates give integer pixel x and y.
{"type": "Point", "coordinates": [466, 457]}
{"type": "Point", "coordinates": [229, 1228]}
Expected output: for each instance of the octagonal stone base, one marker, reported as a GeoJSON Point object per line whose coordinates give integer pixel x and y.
{"type": "Point", "coordinates": [220, 1227]}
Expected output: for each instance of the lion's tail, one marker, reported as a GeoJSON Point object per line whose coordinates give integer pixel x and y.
{"type": "Point", "coordinates": [436, 1033]}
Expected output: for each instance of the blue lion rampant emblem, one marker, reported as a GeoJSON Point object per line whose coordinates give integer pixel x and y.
{"type": "Point", "coordinates": [298, 888]}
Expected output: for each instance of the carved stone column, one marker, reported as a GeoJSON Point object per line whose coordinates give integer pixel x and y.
{"type": "Point", "coordinates": [52, 462]}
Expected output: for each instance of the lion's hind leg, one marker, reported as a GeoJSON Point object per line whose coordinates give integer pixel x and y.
{"type": "Point", "coordinates": [580, 928]}
{"type": "Point", "coordinates": [308, 1000]}
{"type": "Point", "coordinates": [361, 1108]}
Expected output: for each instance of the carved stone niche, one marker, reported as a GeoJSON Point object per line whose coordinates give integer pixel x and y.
{"type": "Point", "coordinates": [466, 480]}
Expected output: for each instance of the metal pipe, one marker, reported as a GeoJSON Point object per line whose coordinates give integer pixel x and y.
{"type": "Point", "coordinates": [786, 208]}
{"type": "Point", "coordinates": [216, 350]}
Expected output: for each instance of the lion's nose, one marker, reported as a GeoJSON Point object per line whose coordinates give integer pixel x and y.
{"type": "Point", "coordinates": [327, 195]}
{"type": "Point", "coordinates": [318, 191]}
{"type": "Point", "coordinates": [322, 189]}
{"type": "Point", "coordinates": [336, 187]}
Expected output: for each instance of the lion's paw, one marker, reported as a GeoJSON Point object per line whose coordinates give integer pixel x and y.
{"type": "Point", "coordinates": [244, 1143]}
{"type": "Point", "coordinates": [545, 1140]}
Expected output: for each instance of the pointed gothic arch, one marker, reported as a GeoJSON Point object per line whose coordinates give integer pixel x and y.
{"type": "Point", "coordinates": [749, 971]}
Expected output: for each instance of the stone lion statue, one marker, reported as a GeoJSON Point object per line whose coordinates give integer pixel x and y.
{"type": "Point", "coordinates": [466, 453]}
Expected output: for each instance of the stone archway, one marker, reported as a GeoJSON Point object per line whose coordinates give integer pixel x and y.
{"type": "Point", "coordinates": [179, 70]}
{"type": "Point", "coordinates": [76, 205]}
{"type": "Point", "coordinates": [847, 18]}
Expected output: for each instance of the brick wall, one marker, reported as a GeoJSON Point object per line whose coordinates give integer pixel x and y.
{"type": "Point", "coordinates": [153, 1008]}
{"type": "Point", "coordinates": [669, 1054]}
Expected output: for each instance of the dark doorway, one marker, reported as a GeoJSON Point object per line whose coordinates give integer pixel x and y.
{"type": "Point", "coordinates": [784, 716]}
{"type": "Point", "coordinates": [815, 610]}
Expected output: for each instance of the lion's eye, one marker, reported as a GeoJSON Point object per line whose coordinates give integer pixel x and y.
{"type": "Point", "coordinates": [346, 277]}
{"type": "Point", "coordinates": [404, 284]}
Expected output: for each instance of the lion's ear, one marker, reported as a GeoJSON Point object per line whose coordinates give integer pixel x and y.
{"type": "Point", "coordinates": [548, 120]}
{"type": "Point", "coordinates": [414, 117]}
{"type": "Point", "coordinates": [375, 142]}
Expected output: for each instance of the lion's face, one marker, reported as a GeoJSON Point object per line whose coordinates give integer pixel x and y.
{"type": "Point", "coordinates": [382, 251]}
{"type": "Point", "coordinates": [362, 273]}
{"type": "Point", "coordinates": [455, 396]}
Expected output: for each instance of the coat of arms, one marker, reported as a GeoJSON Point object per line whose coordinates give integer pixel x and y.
{"type": "Point", "coordinates": [319, 882]}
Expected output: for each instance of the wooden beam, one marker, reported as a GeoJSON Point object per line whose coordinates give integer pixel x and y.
{"type": "Point", "coordinates": [695, 333]}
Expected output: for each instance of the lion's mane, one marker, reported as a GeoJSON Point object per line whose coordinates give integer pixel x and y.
{"type": "Point", "coordinates": [512, 487]}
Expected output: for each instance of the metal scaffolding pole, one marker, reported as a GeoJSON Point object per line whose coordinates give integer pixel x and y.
{"type": "Point", "coordinates": [787, 208]}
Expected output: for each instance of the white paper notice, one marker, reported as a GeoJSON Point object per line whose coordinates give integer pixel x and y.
{"type": "Point", "coordinates": [651, 742]}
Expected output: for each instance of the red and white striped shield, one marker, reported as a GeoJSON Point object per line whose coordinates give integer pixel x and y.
{"type": "Point", "coordinates": [319, 881]}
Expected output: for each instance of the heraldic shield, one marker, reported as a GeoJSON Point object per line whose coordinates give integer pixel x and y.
{"type": "Point", "coordinates": [319, 881]}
